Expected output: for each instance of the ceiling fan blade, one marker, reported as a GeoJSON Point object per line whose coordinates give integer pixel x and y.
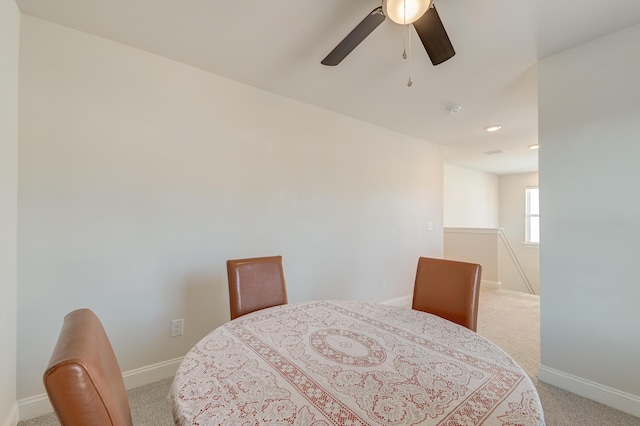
{"type": "Point", "coordinates": [434, 37]}
{"type": "Point", "coordinates": [355, 37]}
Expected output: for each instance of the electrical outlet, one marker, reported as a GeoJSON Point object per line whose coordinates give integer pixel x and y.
{"type": "Point", "coordinates": [383, 283]}
{"type": "Point", "coordinates": [177, 327]}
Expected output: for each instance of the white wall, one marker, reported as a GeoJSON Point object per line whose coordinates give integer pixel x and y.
{"type": "Point", "coordinates": [139, 177]}
{"type": "Point", "coordinates": [475, 205]}
{"type": "Point", "coordinates": [589, 109]}
{"type": "Point", "coordinates": [470, 207]}
{"type": "Point", "coordinates": [512, 221]}
{"type": "Point", "coordinates": [470, 198]}
{"type": "Point", "coordinates": [9, 40]}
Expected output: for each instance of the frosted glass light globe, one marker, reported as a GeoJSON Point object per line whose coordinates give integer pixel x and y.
{"type": "Point", "coordinates": [405, 11]}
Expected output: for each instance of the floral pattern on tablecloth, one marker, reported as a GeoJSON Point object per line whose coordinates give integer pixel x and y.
{"type": "Point", "coordinates": [350, 363]}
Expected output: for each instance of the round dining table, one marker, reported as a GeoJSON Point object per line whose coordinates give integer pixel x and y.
{"type": "Point", "coordinates": [350, 363]}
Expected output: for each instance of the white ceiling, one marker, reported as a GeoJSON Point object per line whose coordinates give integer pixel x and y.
{"type": "Point", "coordinates": [277, 45]}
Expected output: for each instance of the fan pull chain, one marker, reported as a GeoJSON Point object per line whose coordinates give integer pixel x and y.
{"type": "Point", "coordinates": [404, 52]}
{"type": "Point", "coordinates": [410, 83]}
{"type": "Point", "coordinates": [404, 32]}
{"type": "Point", "coordinates": [404, 39]}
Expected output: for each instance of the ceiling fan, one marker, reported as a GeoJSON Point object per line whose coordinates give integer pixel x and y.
{"type": "Point", "coordinates": [421, 13]}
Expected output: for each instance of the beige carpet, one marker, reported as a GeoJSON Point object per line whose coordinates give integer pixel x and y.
{"type": "Point", "coordinates": [509, 319]}
{"type": "Point", "coordinates": [512, 321]}
{"type": "Point", "coordinates": [150, 406]}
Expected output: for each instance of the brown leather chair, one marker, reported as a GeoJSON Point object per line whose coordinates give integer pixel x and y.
{"type": "Point", "coordinates": [255, 283]}
{"type": "Point", "coordinates": [448, 289]}
{"type": "Point", "coordinates": [83, 379]}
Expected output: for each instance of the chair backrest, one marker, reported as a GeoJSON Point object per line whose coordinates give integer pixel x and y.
{"type": "Point", "coordinates": [448, 289]}
{"type": "Point", "coordinates": [83, 379]}
{"type": "Point", "coordinates": [255, 284]}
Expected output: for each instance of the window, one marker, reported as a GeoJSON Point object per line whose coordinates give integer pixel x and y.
{"type": "Point", "coordinates": [532, 219]}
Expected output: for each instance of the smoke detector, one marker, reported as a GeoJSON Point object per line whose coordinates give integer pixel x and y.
{"type": "Point", "coordinates": [454, 109]}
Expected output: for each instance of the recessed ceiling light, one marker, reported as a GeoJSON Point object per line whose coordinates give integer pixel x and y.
{"type": "Point", "coordinates": [493, 128]}
{"type": "Point", "coordinates": [534, 146]}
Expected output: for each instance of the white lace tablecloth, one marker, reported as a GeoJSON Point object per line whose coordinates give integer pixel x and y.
{"type": "Point", "coordinates": [350, 363]}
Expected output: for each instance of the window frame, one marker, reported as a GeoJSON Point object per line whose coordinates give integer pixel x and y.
{"type": "Point", "coordinates": [529, 215]}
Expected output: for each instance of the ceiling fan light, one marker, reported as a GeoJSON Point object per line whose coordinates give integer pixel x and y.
{"type": "Point", "coordinates": [405, 11]}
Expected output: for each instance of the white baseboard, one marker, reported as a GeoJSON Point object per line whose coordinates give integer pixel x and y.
{"type": "Point", "coordinates": [611, 397]}
{"type": "Point", "coordinates": [39, 405]}
{"type": "Point", "coordinates": [151, 373]}
{"type": "Point", "coordinates": [34, 406]}
{"type": "Point", "coordinates": [490, 284]}
{"type": "Point", "coordinates": [400, 301]}
{"type": "Point", "coordinates": [12, 416]}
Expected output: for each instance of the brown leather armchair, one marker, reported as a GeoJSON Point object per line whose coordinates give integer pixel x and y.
{"type": "Point", "coordinates": [83, 379]}
{"type": "Point", "coordinates": [255, 283]}
{"type": "Point", "coordinates": [448, 289]}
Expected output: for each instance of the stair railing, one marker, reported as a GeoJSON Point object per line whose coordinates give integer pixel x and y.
{"type": "Point", "coordinates": [515, 260]}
